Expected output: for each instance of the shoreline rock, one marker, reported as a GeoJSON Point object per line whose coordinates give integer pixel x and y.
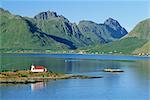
{"type": "Point", "coordinates": [112, 70]}
{"type": "Point", "coordinates": [24, 77]}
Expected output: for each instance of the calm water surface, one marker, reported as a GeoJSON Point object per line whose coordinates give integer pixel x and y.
{"type": "Point", "coordinates": [133, 84]}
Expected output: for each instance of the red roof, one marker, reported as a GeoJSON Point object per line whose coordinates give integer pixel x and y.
{"type": "Point", "coordinates": [39, 67]}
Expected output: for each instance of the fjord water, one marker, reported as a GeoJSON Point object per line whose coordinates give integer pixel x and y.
{"type": "Point", "coordinates": [133, 84]}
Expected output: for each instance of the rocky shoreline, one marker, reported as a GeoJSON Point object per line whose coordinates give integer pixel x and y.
{"type": "Point", "coordinates": [24, 77]}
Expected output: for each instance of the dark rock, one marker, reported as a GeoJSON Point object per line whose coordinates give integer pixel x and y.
{"type": "Point", "coordinates": [112, 23]}
{"type": "Point", "coordinates": [46, 15]}
{"type": "Point", "coordinates": [116, 30]}
{"type": "Point", "coordinates": [107, 32]}
{"type": "Point", "coordinates": [49, 15]}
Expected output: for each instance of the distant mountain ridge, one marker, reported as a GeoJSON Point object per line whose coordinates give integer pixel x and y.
{"type": "Point", "coordinates": [135, 42]}
{"type": "Point", "coordinates": [47, 30]}
{"type": "Point", "coordinates": [50, 31]}
{"type": "Point", "coordinates": [48, 15]}
{"type": "Point", "coordinates": [62, 25]}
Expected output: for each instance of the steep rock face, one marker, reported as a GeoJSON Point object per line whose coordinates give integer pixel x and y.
{"type": "Point", "coordinates": [93, 31]}
{"type": "Point", "coordinates": [137, 41]}
{"type": "Point", "coordinates": [112, 23]}
{"type": "Point", "coordinates": [46, 15]}
{"type": "Point", "coordinates": [75, 30]}
{"type": "Point", "coordinates": [116, 30]}
{"type": "Point", "coordinates": [85, 33]}
{"type": "Point", "coordinates": [49, 15]}
{"type": "Point", "coordinates": [58, 25]}
{"type": "Point", "coordinates": [107, 32]}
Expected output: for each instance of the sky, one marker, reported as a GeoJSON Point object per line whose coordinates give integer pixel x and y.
{"type": "Point", "coordinates": [127, 12]}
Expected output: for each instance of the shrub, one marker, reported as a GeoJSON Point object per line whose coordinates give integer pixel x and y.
{"type": "Point", "coordinates": [23, 75]}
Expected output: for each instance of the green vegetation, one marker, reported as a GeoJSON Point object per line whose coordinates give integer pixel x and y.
{"type": "Point", "coordinates": [144, 49]}
{"type": "Point", "coordinates": [58, 35]}
{"type": "Point", "coordinates": [26, 76]}
{"type": "Point", "coordinates": [141, 30]}
{"type": "Point", "coordinates": [17, 34]}
{"type": "Point", "coordinates": [23, 75]}
{"type": "Point", "coordinates": [7, 70]}
{"type": "Point", "coordinates": [50, 33]}
{"type": "Point", "coordinates": [137, 41]}
{"type": "Point", "coordinates": [124, 46]}
{"type": "Point", "coordinates": [96, 32]}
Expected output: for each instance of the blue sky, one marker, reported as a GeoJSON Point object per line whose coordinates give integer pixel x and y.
{"type": "Point", "coordinates": [127, 12]}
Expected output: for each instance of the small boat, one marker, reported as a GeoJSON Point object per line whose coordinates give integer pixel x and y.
{"type": "Point", "coordinates": [112, 70]}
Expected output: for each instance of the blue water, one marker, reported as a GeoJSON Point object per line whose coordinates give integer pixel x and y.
{"type": "Point", "coordinates": [88, 56]}
{"type": "Point", "coordinates": [133, 84]}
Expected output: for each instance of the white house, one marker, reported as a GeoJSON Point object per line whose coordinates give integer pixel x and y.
{"type": "Point", "coordinates": [38, 69]}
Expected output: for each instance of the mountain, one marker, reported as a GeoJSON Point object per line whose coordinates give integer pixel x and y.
{"type": "Point", "coordinates": [19, 33]}
{"type": "Point", "coordinates": [144, 49]}
{"type": "Point", "coordinates": [109, 31]}
{"type": "Point", "coordinates": [52, 23]}
{"type": "Point", "coordinates": [48, 30]}
{"type": "Point", "coordinates": [137, 41]}
{"type": "Point", "coordinates": [142, 30]}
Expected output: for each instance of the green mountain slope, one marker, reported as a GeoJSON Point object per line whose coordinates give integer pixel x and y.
{"type": "Point", "coordinates": [109, 31]}
{"type": "Point", "coordinates": [47, 30]}
{"type": "Point", "coordinates": [18, 33]}
{"type": "Point", "coordinates": [141, 30]}
{"type": "Point", "coordinates": [83, 34]}
{"type": "Point", "coordinates": [62, 28]}
{"type": "Point", "coordinates": [97, 33]}
{"type": "Point", "coordinates": [124, 46]}
{"type": "Point", "coordinates": [137, 41]}
{"type": "Point", "coordinates": [144, 49]}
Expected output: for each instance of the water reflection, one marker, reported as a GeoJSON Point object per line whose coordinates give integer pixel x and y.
{"type": "Point", "coordinates": [38, 86]}
{"type": "Point", "coordinates": [133, 84]}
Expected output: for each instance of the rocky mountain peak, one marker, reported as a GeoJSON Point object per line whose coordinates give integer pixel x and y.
{"type": "Point", "coordinates": [117, 30]}
{"type": "Point", "coordinates": [46, 15]}
{"type": "Point", "coordinates": [4, 11]}
{"type": "Point", "coordinates": [112, 23]}
{"type": "Point", "coordinates": [49, 15]}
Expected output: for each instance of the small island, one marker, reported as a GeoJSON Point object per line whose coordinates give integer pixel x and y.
{"type": "Point", "coordinates": [112, 70]}
{"type": "Point", "coordinates": [27, 76]}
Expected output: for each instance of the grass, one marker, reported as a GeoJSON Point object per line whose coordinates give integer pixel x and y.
{"type": "Point", "coordinates": [124, 46]}
{"type": "Point", "coordinates": [27, 35]}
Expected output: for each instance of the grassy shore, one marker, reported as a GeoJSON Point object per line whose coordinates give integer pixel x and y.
{"type": "Point", "coordinates": [70, 52]}
{"type": "Point", "coordinates": [24, 76]}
